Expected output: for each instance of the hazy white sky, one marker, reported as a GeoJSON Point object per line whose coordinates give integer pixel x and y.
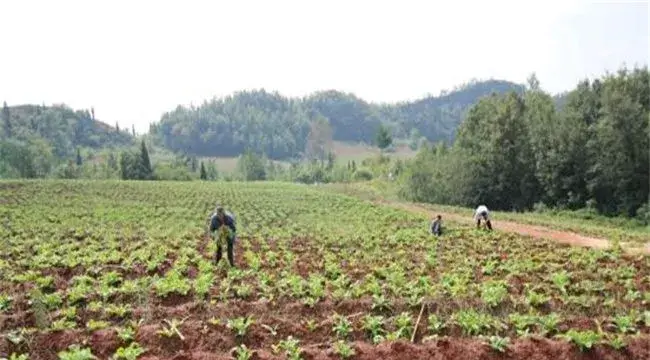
{"type": "Point", "coordinates": [134, 60]}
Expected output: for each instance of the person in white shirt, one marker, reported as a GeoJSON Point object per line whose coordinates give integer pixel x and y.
{"type": "Point", "coordinates": [482, 212]}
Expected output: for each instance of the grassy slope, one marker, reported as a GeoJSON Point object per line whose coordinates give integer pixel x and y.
{"type": "Point", "coordinates": [592, 225]}
{"type": "Point", "coordinates": [344, 152]}
{"type": "Point", "coordinates": [358, 152]}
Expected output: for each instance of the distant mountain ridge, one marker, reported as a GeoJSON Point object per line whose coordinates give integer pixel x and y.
{"type": "Point", "coordinates": [270, 123]}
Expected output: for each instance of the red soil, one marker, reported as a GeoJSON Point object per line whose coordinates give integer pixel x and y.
{"type": "Point", "coordinates": [218, 344]}
{"type": "Point", "coordinates": [205, 340]}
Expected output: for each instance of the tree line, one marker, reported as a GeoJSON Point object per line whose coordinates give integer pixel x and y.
{"type": "Point", "coordinates": [518, 151]}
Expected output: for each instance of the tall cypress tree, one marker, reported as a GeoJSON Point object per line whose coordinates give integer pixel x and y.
{"type": "Point", "coordinates": [204, 174]}
{"type": "Point", "coordinates": [112, 161]}
{"type": "Point", "coordinates": [193, 164]}
{"type": "Point", "coordinates": [79, 159]}
{"type": "Point", "coordinates": [6, 120]}
{"type": "Point", "coordinates": [146, 170]}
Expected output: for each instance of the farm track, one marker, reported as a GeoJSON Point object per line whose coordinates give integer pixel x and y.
{"type": "Point", "coordinates": [534, 231]}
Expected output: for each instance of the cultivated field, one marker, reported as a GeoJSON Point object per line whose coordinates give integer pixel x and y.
{"type": "Point", "coordinates": [629, 233]}
{"type": "Point", "coordinates": [123, 270]}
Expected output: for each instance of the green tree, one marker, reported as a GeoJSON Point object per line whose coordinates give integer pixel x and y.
{"type": "Point", "coordinates": [146, 171]}
{"type": "Point", "coordinates": [251, 167]}
{"type": "Point", "coordinates": [533, 83]}
{"type": "Point", "coordinates": [135, 165]}
{"type": "Point", "coordinates": [112, 161]}
{"type": "Point", "coordinates": [495, 139]}
{"type": "Point", "coordinates": [383, 138]}
{"type": "Point", "coordinates": [211, 169]}
{"type": "Point", "coordinates": [127, 171]}
{"type": "Point", "coordinates": [204, 174]}
{"type": "Point", "coordinates": [331, 160]}
{"type": "Point", "coordinates": [68, 171]}
{"type": "Point", "coordinates": [618, 177]}
{"type": "Point", "coordinates": [564, 160]}
{"type": "Point", "coordinates": [319, 140]}
{"type": "Point", "coordinates": [79, 159]}
{"type": "Point", "coordinates": [541, 127]}
{"type": "Point", "coordinates": [193, 164]}
{"type": "Point", "coordinates": [16, 160]}
{"type": "Point", "coordinates": [42, 158]}
{"type": "Point", "coordinates": [6, 120]}
{"type": "Point", "coordinates": [415, 139]}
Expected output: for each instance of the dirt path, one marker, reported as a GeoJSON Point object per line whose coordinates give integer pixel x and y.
{"type": "Point", "coordinates": [535, 231]}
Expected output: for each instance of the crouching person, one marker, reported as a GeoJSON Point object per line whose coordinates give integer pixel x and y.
{"type": "Point", "coordinates": [436, 226]}
{"type": "Point", "coordinates": [482, 213]}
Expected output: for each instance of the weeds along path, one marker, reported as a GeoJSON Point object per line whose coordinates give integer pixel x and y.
{"type": "Point", "coordinates": [535, 231]}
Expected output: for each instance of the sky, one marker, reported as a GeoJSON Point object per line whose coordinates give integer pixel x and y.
{"type": "Point", "coordinates": [134, 60]}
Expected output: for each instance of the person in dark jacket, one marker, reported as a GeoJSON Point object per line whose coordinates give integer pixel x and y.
{"type": "Point", "coordinates": [436, 226]}
{"type": "Point", "coordinates": [219, 219]}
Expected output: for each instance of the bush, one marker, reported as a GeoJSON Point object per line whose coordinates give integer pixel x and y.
{"type": "Point", "coordinates": [585, 213]}
{"type": "Point", "coordinates": [540, 207]}
{"type": "Point", "coordinates": [643, 214]}
{"type": "Point", "coordinates": [172, 173]}
{"type": "Point", "coordinates": [312, 175]}
{"type": "Point", "coordinates": [363, 174]}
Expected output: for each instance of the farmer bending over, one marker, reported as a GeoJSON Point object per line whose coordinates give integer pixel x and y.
{"type": "Point", "coordinates": [482, 212]}
{"type": "Point", "coordinates": [436, 226]}
{"type": "Point", "coordinates": [219, 219]}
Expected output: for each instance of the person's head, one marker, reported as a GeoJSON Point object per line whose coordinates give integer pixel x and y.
{"type": "Point", "coordinates": [439, 217]}
{"type": "Point", "coordinates": [220, 211]}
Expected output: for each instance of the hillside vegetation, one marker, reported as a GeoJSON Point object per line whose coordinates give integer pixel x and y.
{"type": "Point", "coordinates": [36, 139]}
{"type": "Point", "coordinates": [278, 126]}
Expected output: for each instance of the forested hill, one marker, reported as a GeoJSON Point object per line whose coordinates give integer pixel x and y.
{"type": "Point", "coordinates": [586, 149]}
{"type": "Point", "coordinates": [279, 126]}
{"type": "Point", "coordinates": [44, 136]}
